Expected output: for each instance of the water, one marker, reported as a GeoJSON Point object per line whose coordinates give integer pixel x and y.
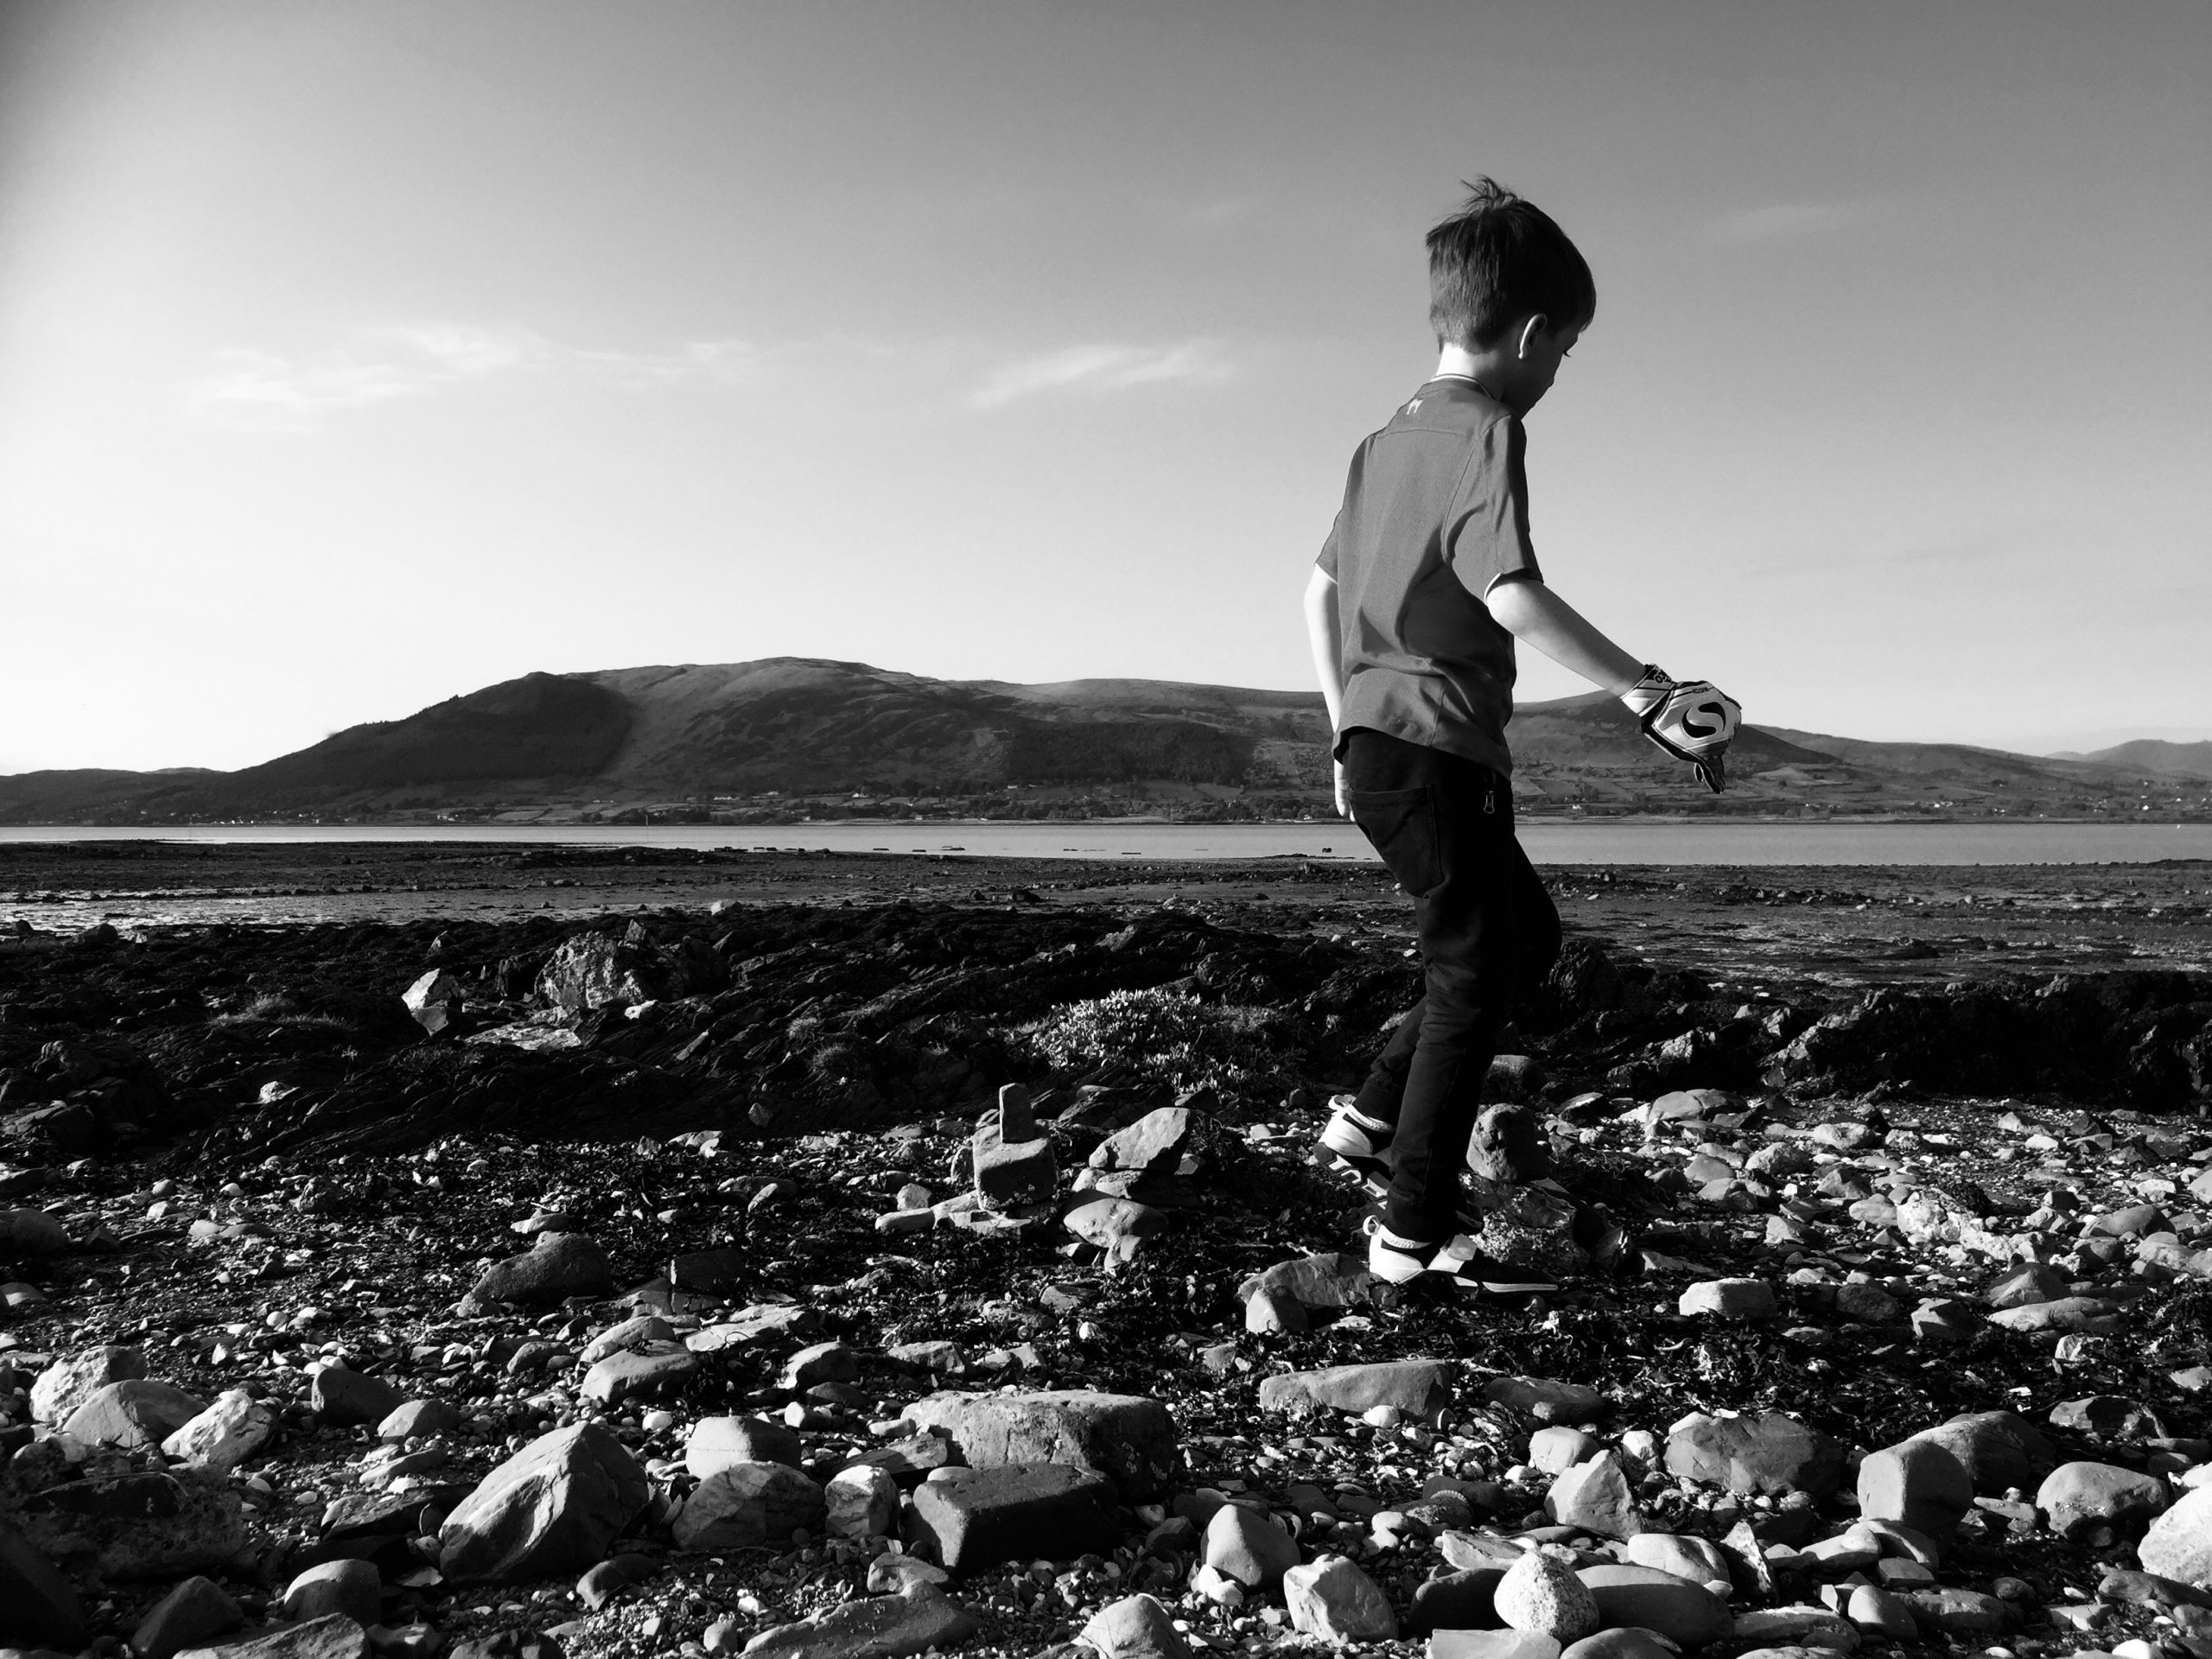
{"type": "Point", "coordinates": [1549, 841]}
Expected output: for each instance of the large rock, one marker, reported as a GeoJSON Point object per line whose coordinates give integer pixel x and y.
{"type": "Point", "coordinates": [1013, 1163]}
{"type": "Point", "coordinates": [1699, 1559]}
{"type": "Point", "coordinates": [347, 1397]}
{"type": "Point", "coordinates": [1643, 1597]}
{"type": "Point", "coordinates": [1135, 1627]}
{"type": "Point", "coordinates": [1540, 1593]}
{"type": "Point", "coordinates": [863, 1502]}
{"type": "Point", "coordinates": [226, 1435]}
{"type": "Point", "coordinates": [333, 1636]}
{"type": "Point", "coordinates": [978, 1517]}
{"type": "Point", "coordinates": [748, 1505]}
{"type": "Point", "coordinates": [354, 1588]}
{"type": "Point", "coordinates": [69, 1382]}
{"type": "Point", "coordinates": [548, 1512]}
{"type": "Point", "coordinates": [1508, 1144]}
{"type": "Point", "coordinates": [2179, 1543]}
{"type": "Point", "coordinates": [1999, 1450]}
{"type": "Point", "coordinates": [190, 1613]}
{"type": "Point", "coordinates": [39, 1608]}
{"type": "Point", "coordinates": [1332, 1598]}
{"type": "Point", "coordinates": [1916, 1482]}
{"type": "Point", "coordinates": [143, 1526]}
{"type": "Point", "coordinates": [31, 1232]}
{"type": "Point", "coordinates": [1247, 1546]}
{"type": "Point", "coordinates": [1492, 1645]}
{"type": "Point", "coordinates": [1595, 1496]}
{"type": "Point", "coordinates": [1419, 1388]}
{"type": "Point", "coordinates": [132, 1415]}
{"type": "Point", "coordinates": [923, 1620]}
{"type": "Point", "coordinates": [1456, 1600]}
{"type": "Point", "coordinates": [1151, 1146]}
{"type": "Point", "coordinates": [556, 1266]}
{"type": "Point", "coordinates": [2076, 1499]}
{"type": "Point", "coordinates": [1126, 1437]}
{"type": "Point", "coordinates": [1770, 1452]}
{"type": "Point", "coordinates": [642, 1371]}
{"type": "Point", "coordinates": [719, 1443]}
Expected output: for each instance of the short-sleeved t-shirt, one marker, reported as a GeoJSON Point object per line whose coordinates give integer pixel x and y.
{"type": "Point", "coordinates": [1436, 510]}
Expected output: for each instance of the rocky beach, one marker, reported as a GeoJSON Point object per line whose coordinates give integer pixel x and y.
{"type": "Point", "coordinates": [519, 1252]}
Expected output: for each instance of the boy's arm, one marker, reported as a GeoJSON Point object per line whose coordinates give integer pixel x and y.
{"type": "Point", "coordinates": [1323, 634]}
{"type": "Point", "coordinates": [1531, 612]}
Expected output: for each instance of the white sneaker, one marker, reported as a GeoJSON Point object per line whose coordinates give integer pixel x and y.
{"type": "Point", "coordinates": [1457, 1263]}
{"type": "Point", "coordinates": [1358, 1143]}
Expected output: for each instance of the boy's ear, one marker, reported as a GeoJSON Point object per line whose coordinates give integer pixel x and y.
{"type": "Point", "coordinates": [1535, 323]}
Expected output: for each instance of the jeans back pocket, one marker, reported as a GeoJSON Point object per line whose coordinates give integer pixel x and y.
{"type": "Point", "coordinates": [1401, 825]}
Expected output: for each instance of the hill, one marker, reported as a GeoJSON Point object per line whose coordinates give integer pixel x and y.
{"type": "Point", "coordinates": [790, 736]}
{"type": "Point", "coordinates": [2151, 755]}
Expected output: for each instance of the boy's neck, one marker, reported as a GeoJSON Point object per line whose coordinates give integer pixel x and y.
{"type": "Point", "coordinates": [1458, 363]}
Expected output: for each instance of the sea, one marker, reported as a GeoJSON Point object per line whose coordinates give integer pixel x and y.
{"type": "Point", "coordinates": [1548, 841]}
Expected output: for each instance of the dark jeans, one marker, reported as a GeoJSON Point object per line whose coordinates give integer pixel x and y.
{"type": "Point", "coordinates": [1487, 931]}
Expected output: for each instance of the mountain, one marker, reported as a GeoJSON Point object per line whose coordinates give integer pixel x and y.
{"type": "Point", "coordinates": [793, 735]}
{"type": "Point", "coordinates": [2152, 755]}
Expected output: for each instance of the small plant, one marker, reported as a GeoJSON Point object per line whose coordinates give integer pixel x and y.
{"type": "Point", "coordinates": [1156, 1032]}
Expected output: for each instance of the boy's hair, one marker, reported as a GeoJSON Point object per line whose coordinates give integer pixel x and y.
{"type": "Point", "coordinates": [1499, 258]}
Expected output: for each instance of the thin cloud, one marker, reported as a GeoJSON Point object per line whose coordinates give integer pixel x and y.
{"type": "Point", "coordinates": [256, 387]}
{"type": "Point", "coordinates": [1102, 368]}
{"type": "Point", "coordinates": [1787, 221]}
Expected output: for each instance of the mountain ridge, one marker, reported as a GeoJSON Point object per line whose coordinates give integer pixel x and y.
{"type": "Point", "coordinates": [770, 735]}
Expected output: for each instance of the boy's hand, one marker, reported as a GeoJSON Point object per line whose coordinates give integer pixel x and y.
{"type": "Point", "coordinates": [1344, 807]}
{"type": "Point", "coordinates": [1692, 720]}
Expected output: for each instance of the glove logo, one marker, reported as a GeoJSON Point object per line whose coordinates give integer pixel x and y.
{"type": "Point", "coordinates": [1712, 712]}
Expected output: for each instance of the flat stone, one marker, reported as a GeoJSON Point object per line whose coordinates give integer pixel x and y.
{"type": "Point", "coordinates": [1547, 1399]}
{"type": "Point", "coordinates": [2024, 1286]}
{"type": "Point", "coordinates": [42, 1606]}
{"type": "Point", "coordinates": [909, 1460]}
{"type": "Point", "coordinates": [748, 1505]}
{"type": "Point", "coordinates": [1330, 1598]}
{"type": "Point", "coordinates": [1959, 1612]}
{"type": "Point", "coordinates": [131, 1416]}
{"type": "Point", "coordinates": [976, 1518]}
{"type": "Point", "coordinates": [1419, 1388]}
{"type": "Point", "coordinates": [1684, 1612]}
{"type": "Point", "coordinates": [335, 1636]}
{"type": "Point", "coordinates": [346, 1397]}
{"type": "Point", "coordinates": [718, 1443]}
{"type": "Point", "coordinates": [556, 1266]}
{"type": "Point", "coordinates": [1128, 1438]}
{"type": "Point", "coordinates": [1322, 1279]}
{"type": "Point", "coordinates": [638, 1331]}
{"type": "Point", "coordinates": [921, 1620]}
{"type": "Point", "coordinates": [1917, 1482]}
{"type": "Point", "coordinates": [548, 1512]}
{"type": "Point", "coordinates": [1558, 1449]}
{"type": "Point", "coordinates": [1769, 1453]}
{"type": "Point", "coordinates": [1795, 1630]}
{"type": "Point", "coordinates": [194, 1610]}
{"type": "Point", "coordinates": [1135, 1627]}
{"type": "Point", "coordinates": [630, 1372]}
{"type": "Point", "coordinates": [69, 1382]}
{"type": "Point", "coordinates": [1107, 1222]}
{"type": "Point", "coordinates": [411, 1419]}
{"type": "Point", "coordinates": [1596, 1496]}
{"type": "Point", "coordinates": [1540, 1593]}
{"type": "Point", "coordinates": [1152, 1145]}
{"type": "Point", "coordinates": [143, 1525]}
{"type": "Point", "coordinates": [1491, 1644]}
{"type": "Point", "coordinates": [2076, 1498]}
{"type": "Point", "coordinates": [2090, 1314]}
{"type": "Point", "coordinates": [764, 1322]}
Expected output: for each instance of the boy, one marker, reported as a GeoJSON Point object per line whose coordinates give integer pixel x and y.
{"type": "Point", "coordinates": [1426, 581]}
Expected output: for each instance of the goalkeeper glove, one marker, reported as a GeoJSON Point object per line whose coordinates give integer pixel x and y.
{"type": "Point", "coordinates": [1692, 720]}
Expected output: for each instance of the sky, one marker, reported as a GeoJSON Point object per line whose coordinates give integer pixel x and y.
{"type": "Point", "coordinates": [358, 353]}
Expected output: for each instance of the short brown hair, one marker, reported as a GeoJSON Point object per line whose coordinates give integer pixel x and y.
{"type": "Point", "coordinates": [1498, 258]}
